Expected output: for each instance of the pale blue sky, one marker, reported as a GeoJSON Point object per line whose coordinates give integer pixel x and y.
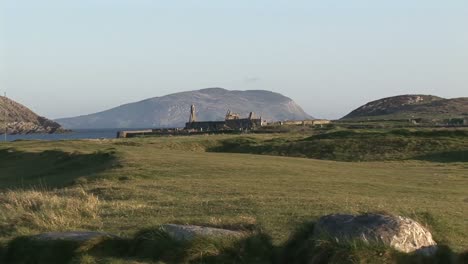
{"type": "Point", "coordinates": [65, 58]}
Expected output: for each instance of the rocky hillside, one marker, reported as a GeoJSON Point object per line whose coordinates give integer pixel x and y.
{"type": "Point", "coordinates": [173, 110]}
{"type": "Point", "coordinates": [412, 106]}
{"type": "Point", "coordinates": [21, 120]}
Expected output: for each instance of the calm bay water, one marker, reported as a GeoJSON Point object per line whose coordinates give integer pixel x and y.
{"type": "Point", "coordinates": [76, 134]}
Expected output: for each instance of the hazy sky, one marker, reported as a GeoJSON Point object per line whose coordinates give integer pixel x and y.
{"type": "Point", "coordinates": [65, 58]}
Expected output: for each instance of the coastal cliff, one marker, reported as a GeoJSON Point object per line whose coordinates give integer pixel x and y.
{"type": "Point", "coordinates": [22, 120]}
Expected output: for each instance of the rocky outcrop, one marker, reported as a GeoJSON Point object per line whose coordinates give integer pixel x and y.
{"type": "Point", "coordinates": [174, 110]}
{"type": "Point", "coordinates": [189, 232]}
{"type": "Point", "coordinates": [412, 106]}
{"type": "Point", "coordinates": [21, 120]}
{"type": "Point", "coordinates": [31, 128]}
{"type": "Point", "coordinates": [400, 233]}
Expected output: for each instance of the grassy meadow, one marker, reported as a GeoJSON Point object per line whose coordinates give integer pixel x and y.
{"type": "Point", "coordinates": [127, 186]}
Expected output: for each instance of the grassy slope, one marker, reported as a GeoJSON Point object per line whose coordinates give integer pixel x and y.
{"type": "Point", "coordinates": [145, 182]}
{"type": "Point", "coordinates": [359, 145]}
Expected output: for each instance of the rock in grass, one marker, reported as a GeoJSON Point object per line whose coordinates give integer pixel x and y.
{"type": "Point", "coordinates": [75, 236]}
{"type": "Point", "coordinates": [189, 232]}
{"type": "Point", "coordinates": [400, 233]}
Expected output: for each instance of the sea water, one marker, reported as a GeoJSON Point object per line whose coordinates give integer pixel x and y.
{"type": "Point", "coordinates": [75, 134]}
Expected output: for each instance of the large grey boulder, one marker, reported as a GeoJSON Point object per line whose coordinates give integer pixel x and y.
{"type": "Point", "coordinates": [398, 232]}
{"type": "Point", "coordinates": [74, 236]}
{"type": "Point", "coordinates": [190, 232]}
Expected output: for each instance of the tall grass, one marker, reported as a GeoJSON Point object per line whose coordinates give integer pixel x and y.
{"type": "Point", "coordinates": [48, 210]}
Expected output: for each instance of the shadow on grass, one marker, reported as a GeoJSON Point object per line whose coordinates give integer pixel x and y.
{"type": "Point", "coordinates": [241, 145]}
{"type": "Point", "coordinates": [445, 157]}
{"type": "Point", "coordinates": [363, 134]}
{"type": "Point", "coordinates": [51, 168]}
{"type": "Point", "coordinates": [28, 250]}
{"type": "Point", "coordinates": [155, 245]}
{"type": "Point", "coordinates": [147, 245]}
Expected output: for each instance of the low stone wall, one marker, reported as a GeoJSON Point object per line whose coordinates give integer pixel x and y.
{"type": "Point", "coordinates": [304, 122]}
{"type": "Point", "coordinates": [127, 134]}
{"type": "Point", "coordinates": [206, 125]}
{"type": "Point", "coordinates": [244, 123]}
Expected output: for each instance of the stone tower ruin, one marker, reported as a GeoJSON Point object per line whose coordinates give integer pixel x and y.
{"type": "Point", "coordinates": [193, 117]}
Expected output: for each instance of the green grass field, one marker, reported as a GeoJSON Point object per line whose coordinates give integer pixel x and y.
{"type": "Point", "coordinates": [126, 186]}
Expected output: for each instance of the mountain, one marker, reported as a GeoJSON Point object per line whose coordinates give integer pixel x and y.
{"type": "Point", "coordinates": [412, 106]}
{"type": "Point", "coordinates": [21, 120]}
{"type": "Point", "coordinates": [174, 110]}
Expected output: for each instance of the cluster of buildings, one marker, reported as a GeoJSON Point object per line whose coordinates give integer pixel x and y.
{"type": "Point", "coordinates": [232, 121]}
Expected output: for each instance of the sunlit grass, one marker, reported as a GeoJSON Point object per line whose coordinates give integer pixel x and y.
{"type": "Point", "coordinates": [138, 184]}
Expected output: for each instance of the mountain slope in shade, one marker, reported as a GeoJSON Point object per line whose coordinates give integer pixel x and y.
{"type": "Point", "coordinates": [412, 106]}
{"type": "Point", "coordinates": [21, 120]}
{"type": "Point", "coordinates": [173, 110]}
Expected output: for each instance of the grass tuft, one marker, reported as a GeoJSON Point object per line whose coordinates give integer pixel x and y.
{"type": "Point", "coordinates": [156, 244]}
{"type": "Point", "coordinates": [48, 210]}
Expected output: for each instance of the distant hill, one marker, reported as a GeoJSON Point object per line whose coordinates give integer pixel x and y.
{"type": "Point", "coordinates": [173, 110]}
{"type": "Point", "coordinates": [412, 106]}
{"type": "Point", "coordinates": [21, 120]}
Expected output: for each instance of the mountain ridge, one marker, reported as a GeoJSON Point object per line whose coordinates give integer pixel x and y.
{"type": "Point", "coordinates": [172, 110]}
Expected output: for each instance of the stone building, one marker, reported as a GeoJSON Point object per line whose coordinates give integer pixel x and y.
{"type": "Point", "coordinates": [232, 121]}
